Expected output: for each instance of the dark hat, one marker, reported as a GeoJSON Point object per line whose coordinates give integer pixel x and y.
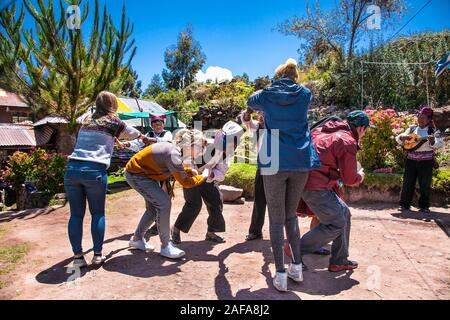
{"type": "Point", "coordinates": [359, 118]}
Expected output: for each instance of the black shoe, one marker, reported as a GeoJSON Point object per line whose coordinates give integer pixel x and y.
{"type": "Point", "coordinates": [153, 231]}
{"type": "Point", "coordinates": [405, 208]}
{"type": "Point", "coordinates": [252, 236]}
{"type": "Point", "coordinates": [214, 238]}
{"type": "Point", "coordinates": [425, 210]}
{"type": "Point", "coordinates": [176, 238]}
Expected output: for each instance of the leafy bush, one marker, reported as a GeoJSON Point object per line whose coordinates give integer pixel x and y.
{"type": "Point", "coordinates": [441, 181]}
{"type": "Point", "coordinates": [45, 170]}
{"type": "Point", "coordinates": [379, 147]}
{"type": "Point", "coordinates": [242, 176]}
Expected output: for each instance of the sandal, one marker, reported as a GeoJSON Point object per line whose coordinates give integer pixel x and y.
{"type": "Point", "coordinates": [214, 238]}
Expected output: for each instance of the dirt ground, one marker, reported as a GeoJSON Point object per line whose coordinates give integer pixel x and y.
{"type": "Point", "coordinates": [401, 256]}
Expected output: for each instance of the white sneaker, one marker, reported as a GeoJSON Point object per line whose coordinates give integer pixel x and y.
{"type": "Point", "coordinates": [295, 272]}
{"type": "Point", "coordinates": [79, 263]}
{"type": "Point", "coordinates": [141, 245]}
{"type": "Point", "coordinates": [172, 252]}
{"type": "Point", "coordinates": [280, 281]}
{"type": "Point", "coordinates": [98, 260]}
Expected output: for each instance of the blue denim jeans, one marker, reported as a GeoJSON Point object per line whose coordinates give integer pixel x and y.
{"type": "Point", "coordinates": [84, 180]}
{"type": "Point", "coordinates": [335, 223]}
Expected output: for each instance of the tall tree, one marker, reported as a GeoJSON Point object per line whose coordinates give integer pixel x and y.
{"type": "Point", "coordinates": [244, 78]}
{"type": "Point", "coordinates": [262, 82]}
{"type": "Point", "coordinates": [183, 61]}
{"type": "Point", "coordinates": [155, 87]}
{"type": "Point", "coordinates": [340, 28]}
{"type": "Point", "coordinates": [132, 87]}
{"type": "Point", "coordinates": [57, 67]}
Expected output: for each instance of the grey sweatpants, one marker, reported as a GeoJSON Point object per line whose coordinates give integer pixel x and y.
{"type": "Point", "coordinates": [157, 204]}
{"type": "Point", "coordinates": [334, 216]}
{"type": "Point", "coordinates": [283, 193]}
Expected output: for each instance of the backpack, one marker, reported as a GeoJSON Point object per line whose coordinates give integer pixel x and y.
{"type": "Point", "coordinates": [324, 120]}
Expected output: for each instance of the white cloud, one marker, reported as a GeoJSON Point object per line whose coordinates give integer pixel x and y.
{"type": "Point", "coordinates": [215, 74]}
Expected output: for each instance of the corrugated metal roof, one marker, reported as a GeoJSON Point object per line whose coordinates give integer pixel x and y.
{"type": "Point", "coordinates": [52, 120]}
{"type": "Point", "coordinates": [8, 99]}
{"type": "Point", "coordinates": [24, 136]}
{"type": "Point", "coordinates": [17, 135]}
{"type": "Point", "coordinates": [43, 135]}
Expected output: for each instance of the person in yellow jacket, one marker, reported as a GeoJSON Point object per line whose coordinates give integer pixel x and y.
{"type": "Point", "coordinates": [145, 173]}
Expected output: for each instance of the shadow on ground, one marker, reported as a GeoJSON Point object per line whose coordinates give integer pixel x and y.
{"type": "Point", "coordinates": [30, 214]}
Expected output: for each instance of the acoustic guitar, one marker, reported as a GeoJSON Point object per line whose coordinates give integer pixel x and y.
{"type": "Point", "coordinates": [415, 141]}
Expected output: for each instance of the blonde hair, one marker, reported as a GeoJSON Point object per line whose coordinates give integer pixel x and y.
{"type": "Point", "coordinates": [287, 70]}
{"type": "Point", "coordinates": [105, 104]}
{"type": "Point", "coordinates": [186, 138]}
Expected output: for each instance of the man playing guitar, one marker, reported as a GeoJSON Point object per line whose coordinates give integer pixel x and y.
{"type": "Point", "coordinates": [421, 142]}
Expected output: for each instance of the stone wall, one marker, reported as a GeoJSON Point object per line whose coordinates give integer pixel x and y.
{"type": "Point", "coordinates": [391, 196]}
{"type": "Point", "coordinates": [442, 117]}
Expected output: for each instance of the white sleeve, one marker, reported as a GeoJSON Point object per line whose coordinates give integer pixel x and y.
{"type": "Point", "coordinates": [167, 137]}
{"type": "Point", "coordinates": [136, 145]}
{"type": "Point", "coordinates": [129, 133]}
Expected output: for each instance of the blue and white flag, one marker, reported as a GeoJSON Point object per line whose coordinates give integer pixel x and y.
{"type": "Point", "coordinates": [442, 64]}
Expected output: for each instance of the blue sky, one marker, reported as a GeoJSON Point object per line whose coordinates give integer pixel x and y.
{"type": "Point", "coordinates": [237, 35]}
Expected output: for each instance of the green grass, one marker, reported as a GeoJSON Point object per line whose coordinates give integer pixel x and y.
{"type": "Point", "coordinates": [11, 256]}
{"type": "Point", "coordinates": [113, 179]}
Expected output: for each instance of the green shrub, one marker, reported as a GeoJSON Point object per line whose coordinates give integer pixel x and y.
{"type": "Point", "coordinates": [379, 147]}
{"type": "Point", "coordinates": [45, 170]}
{"type": "Point", "coordinates": [242, 175]}
{"type": "Point", "coordinates": [441, 181]}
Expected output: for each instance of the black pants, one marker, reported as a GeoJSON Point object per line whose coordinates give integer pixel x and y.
{"type": "Point", "coordinates": [210, 193]}
{"type": "Point", "coordinates": [259, 206]}
{"type": "Point", "coordinates": [422, 170]}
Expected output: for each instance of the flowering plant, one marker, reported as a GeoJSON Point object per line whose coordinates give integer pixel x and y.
{"type": "Point", "coordinates": [379, 147]}
{"type": "Point", "coordinates": [45, 170]}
